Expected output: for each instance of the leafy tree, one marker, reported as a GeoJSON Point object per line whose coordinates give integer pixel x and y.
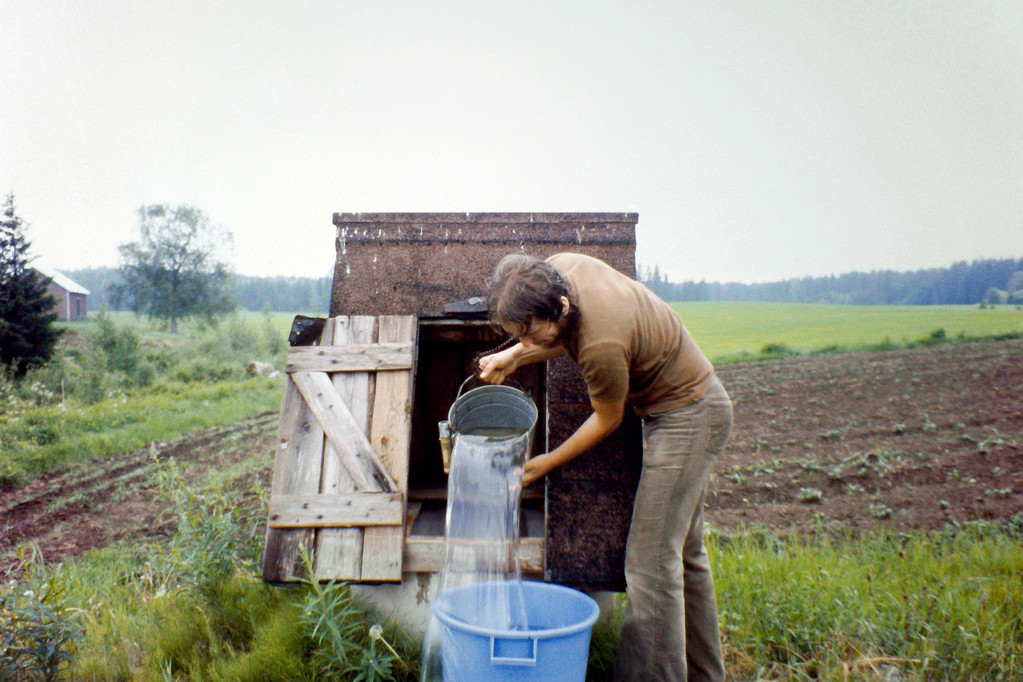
{"type": "Point", "coordinates": [172, 272]}
{"type": "Point", "coordinates": [27, 335]}
{"type": "Point", "coordinates": [994, 296]}
{"type": "Point", "coordinates": [1015, 288]}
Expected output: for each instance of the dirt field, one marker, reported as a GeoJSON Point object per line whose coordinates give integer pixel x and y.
{"type": "Point", "coordinates": [899, 439]}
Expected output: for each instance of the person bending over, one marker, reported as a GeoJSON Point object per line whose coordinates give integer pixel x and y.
{"type": "Point", "coordinates": [632, 349]}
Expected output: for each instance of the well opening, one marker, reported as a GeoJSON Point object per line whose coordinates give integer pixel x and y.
{"type": "Point", "coordinates": [448, 349]}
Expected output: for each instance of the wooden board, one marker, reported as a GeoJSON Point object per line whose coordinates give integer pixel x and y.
{"type": "Point", "coordinates": [426, 554]}
{"type": "Point", "coordinates": [339, 550]}
{"type": "Point", "coordinates": [337, 511]}
{"type": "Point", "coordinates": [341, 471]}
{"type": "Point", "coordinates": [370, 357]}
{"type": "Point", "coordinates": [297, 468]}
{"type": "Point", "coordinates": [390, 437]}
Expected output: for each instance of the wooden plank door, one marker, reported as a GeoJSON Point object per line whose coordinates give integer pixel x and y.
{"type": "Point", "coordinates": [341, 470]}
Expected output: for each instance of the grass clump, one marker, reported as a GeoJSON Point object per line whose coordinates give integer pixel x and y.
{"type": "Point", "coordinates": [946, 606]}
{"type": "Point", "coordinates": [191, 610]}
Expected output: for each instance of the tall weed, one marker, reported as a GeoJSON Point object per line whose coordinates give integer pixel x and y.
{"type": "Point", "coordinates": [38, 629]}
{"type": "Point", "coordinates": [343, 647]}
{"type": "Point", "coordinates": [203, 552]}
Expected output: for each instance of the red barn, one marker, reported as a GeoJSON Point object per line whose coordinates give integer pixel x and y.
{"type": "Point", "coordinates": [72, 297]}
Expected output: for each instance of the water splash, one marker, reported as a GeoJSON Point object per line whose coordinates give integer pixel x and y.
{"type": "Point", "coordinates": [481, 543]}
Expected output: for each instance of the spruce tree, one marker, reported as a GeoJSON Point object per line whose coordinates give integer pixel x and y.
{"type": "Point", "coordinates": [27, 334]}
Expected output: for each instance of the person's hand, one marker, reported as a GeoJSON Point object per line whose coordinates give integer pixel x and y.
{"type": "Point", "coordinates": [494, 369]}
{"type": "Point", "coordinates": [536, 468]}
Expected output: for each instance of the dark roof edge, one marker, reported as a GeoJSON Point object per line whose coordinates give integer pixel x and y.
{"type": "Point", "coordinates": [505, 218]}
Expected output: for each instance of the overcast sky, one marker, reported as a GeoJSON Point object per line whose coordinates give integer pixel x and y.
{"type": "Point", "coordinates": [756, 140]}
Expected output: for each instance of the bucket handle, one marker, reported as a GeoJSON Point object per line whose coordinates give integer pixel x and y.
{"type": "Point", "coordinates": [507, 381]}
{"type": "Point", "coordinates": [496, 659]}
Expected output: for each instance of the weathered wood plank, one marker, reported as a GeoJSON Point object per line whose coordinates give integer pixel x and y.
{"type": "Point", "coordinates": [426, 554]}
{"type": "Point", "coordinates": [391, 433]}
{"type": "Point", "coordinates": [412, 513]}
{"type": "Point", "coordinates": [341, 510]}
{"type": "Point", "coordinates": [343, 432]}
{"type": "Point", "coordinates": [350, 358]}
{"type": "Point", "coordinates": [339, 550]}
{"type": "Point", "coordinates": [391, 436]}
{"type": "Point", "coordinates": [297, 466]}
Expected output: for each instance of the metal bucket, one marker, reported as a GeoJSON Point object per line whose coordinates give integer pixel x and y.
{"type": "Point", "coordinates": [493, 411]}
{"type": "Point", "coordinates": [502, 416]}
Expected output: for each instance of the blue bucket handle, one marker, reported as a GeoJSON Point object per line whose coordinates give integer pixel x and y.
{"type": "Point", "coordinates": [495, 659]}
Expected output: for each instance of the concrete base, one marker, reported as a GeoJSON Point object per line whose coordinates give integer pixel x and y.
{"type": "Point", "coordinates": [405, 604]}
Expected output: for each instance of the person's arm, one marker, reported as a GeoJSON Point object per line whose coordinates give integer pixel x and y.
{"type": "Point", "coordinates": [606, 418]}
{"type": "Point", "coordinates": [499, 366]}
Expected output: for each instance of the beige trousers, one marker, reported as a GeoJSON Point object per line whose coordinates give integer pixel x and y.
{"type": "Point", "coordinates": [670, 632]}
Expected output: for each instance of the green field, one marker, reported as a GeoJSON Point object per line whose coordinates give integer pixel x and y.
{"type": "Point", "coordinates": [726, 330]}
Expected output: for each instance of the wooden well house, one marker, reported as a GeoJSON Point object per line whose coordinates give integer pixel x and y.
{"type": "Point", "coordinates": [359, 481]}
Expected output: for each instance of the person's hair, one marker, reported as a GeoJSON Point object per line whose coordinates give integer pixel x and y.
{"type": "Point", "coordinates": [524, 288]}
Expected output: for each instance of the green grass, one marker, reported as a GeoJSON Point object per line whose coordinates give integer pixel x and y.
{"type": "Point", "coordinates": [93, 401]}
{"type": "Point", "coordinates": [913, 607]}
{"type": "Point", "coordinates": [944, 606]}
{"type": "Point", "coordinates": [189, 609]}
{"type": "Point", "coordinates": [52, 437]}
{"type": "Point", "coordinates": [728, 330]}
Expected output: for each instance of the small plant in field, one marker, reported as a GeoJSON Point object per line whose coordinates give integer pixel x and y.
{"type": "Point", "coordinates": [875, 462]}
{"type": "Point", "coordinates": [998, 493]}
{"type": "Point", "coordinates": [854, 489]}
{"type": "Point", "coordinates": [985, 446]}
{"type": "Point", "coordinates": [810, 495]}
{"type": "Point", "coordinates": [929, 426]}
{"type": "Point", "coordinates": [736, 475]}
{"type": "Point", "coordinates": [38, 630]}
{"type": "Point", "coordinates": [880, 511]}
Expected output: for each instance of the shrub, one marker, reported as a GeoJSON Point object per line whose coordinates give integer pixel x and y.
{"type": "Point", "coordinates": [203, 549]}
{"type": "Point", "coordinates": [38, 630]}
{"type": "Point", "coordinates": [935, 337]}
{"type": "Point", "coordinates": [207, 370]}
{"type": "Point", "coordinates": [776, 349]}
{"type": "Point", "coordinates": [120, 345]}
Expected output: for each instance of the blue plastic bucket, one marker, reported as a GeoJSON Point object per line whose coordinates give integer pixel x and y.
{"type": "Point", "coordinates": [555, 648]}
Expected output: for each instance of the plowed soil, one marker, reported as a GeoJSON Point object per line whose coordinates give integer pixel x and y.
{"type": "Point", "coordinates": [92, 505]}
{"type": "Point", "coordinates": [910, 439]}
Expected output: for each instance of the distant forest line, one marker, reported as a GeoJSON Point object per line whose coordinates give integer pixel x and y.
{"type": "Point", "coordinates": [279, 294]}
{"type": "Point", "coordinates": [981, 281]}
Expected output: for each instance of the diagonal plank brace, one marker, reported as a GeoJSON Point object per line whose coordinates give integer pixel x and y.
{"type": "Point", "coordinates": [343, 432]}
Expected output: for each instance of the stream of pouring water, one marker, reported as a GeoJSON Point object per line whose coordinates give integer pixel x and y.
{"type": "Point", "coordinates": [481, 543]}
